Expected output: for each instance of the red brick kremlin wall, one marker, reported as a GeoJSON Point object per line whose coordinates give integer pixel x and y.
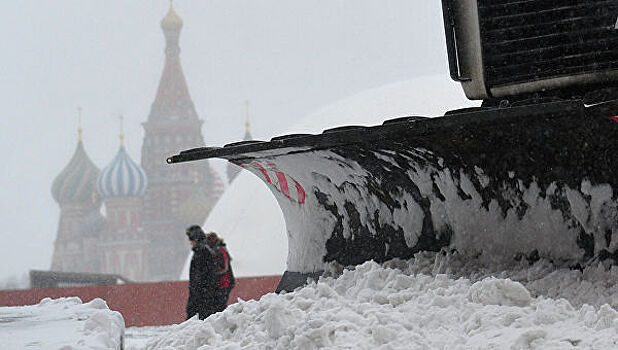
{"type": "Point", "coordinates": [142, 304]}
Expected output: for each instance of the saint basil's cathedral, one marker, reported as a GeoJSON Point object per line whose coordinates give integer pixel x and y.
{"type": "Point", "coordinates": [147, 206]}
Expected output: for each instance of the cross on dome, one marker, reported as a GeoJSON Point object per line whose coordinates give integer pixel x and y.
{"type": "Point", "coordinates": [121, 130]}
{"type": "Point", "coordinates": [79, 123]}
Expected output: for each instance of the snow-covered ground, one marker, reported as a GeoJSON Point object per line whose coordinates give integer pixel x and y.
{"type": "Point", "coordinates": [434, 301]}
{"type": "Point", "coordinates": [64, 323]}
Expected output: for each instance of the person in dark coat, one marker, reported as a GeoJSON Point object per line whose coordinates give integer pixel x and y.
{"type": "Point", "coordinates": [223, 270]}
{"type": "Point", "coordinates": [203, 298]}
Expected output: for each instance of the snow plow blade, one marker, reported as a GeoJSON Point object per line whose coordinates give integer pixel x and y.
{"type": "Point", "coordinates": [529, 182]}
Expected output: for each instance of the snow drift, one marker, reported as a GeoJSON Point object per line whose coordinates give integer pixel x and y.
{"type": "Point", "coordinates": [64, 323]}
{"type": "Point", "coordinates": [434, 301]}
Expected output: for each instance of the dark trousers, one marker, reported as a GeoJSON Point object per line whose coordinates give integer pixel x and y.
{"type": "Point", "coordinates": [221, 297]}
{"type": "Point", "coordinates": [204, 305]}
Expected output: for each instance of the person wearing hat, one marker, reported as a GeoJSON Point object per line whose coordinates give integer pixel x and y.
{"type": "Point", "coordinates": [203, 294]}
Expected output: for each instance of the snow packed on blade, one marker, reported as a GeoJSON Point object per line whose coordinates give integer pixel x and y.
{"type": "Point", "coordinates": [529, 174]}
{"type": "Point", "coordinates": [502, 184]}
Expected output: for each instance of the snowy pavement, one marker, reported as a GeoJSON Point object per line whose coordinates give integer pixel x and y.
{"type": "Point", "coordinates": [436, 301]}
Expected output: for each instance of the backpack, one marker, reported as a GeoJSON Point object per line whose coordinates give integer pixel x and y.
{"type": "Point", "coordinates": [229, 272]}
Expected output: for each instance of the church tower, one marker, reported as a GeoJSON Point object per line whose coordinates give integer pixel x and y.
{"type": "Point", "coordinates": [81, 223]}
{"type": "Point", "coordinates": [122, 185]}
{"type": "Point", "coordinates": [174, 193]}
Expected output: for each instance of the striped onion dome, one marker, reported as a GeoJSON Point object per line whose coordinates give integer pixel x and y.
{"type": "Point", "coordinates": [122, 177]}
{"type": "Point", "coordinates": [76, 183]}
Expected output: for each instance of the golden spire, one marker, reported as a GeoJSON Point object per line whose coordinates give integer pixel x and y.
{"type": "Point", "coordinates": [171, 19]}
{"type": "Point", "coordinates": [79, 123]}
{"type": "Point", "coordinates": [121, 131]}
{"type": "Point", "coordinates": [247, 123]}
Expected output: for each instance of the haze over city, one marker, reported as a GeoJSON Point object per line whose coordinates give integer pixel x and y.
{"type": "Point", "coordinates": [484, 228]}
{"type": "Point", "coordinates": [287, 59]}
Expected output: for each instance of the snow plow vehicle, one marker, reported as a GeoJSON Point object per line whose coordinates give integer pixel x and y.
{"type": "Point", "coordinates": [532, 173]}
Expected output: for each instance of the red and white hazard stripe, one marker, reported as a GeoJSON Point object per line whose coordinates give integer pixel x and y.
{"type": "Point", "coordinates": [281, 181]}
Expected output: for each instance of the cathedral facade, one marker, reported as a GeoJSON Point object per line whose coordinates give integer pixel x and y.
{"type": "Point", "coordinates": [140, 232]}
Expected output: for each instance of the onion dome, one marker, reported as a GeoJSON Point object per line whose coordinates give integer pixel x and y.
{"type": "Point", "coordinates": [76, 183]}
{"type": "Point", "coordinates": [171, 21]}
{"type": "Point", "coordinates": [122, 177]}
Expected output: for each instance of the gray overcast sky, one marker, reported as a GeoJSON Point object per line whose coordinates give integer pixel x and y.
{"type": "Point", "coordinates": [288, 58]}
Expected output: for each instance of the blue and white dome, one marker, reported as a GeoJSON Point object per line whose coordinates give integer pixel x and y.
{"type": "Point", "coordinates": [122, 178]}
